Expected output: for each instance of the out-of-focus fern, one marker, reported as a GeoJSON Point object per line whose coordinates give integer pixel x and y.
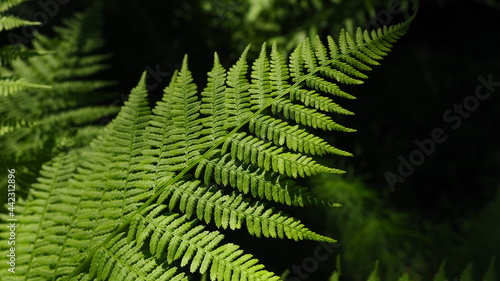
{"type": "Point", "coordinates": [466, 275]}
{"type": "Point", "coordinates": [367, 228]}
{"type": "Point", "coordinates": [142, 201]}
{"type": "Point", "coordinates": [47, 94]}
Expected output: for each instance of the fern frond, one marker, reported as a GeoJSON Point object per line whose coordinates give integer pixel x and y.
{"type": "Point", "coordinates": [10, 86]}
{"type": "Point", "coordinates": [182, 111]}
{"type": "Point", "coordinates": [295, 138]}
{"type": "Point", "coordinates": [181, 239]}
{"type": "Point", "coordinates": [124, 261]}
{"type": "Point", "coordinates": [313, 99]}
{"type": "Point", "coordinates": [159, 177]}
{"type": "Point", "coordinates": [237, 93]}
{"type": "Point", "coordinates": [256, 182]}
{"type": "Point", "coordinates": [48, 87]}
{"type": "Point", "coordinates": [213, 104]}
{"type": "Point", "coordinates": [44, 220]}
{"type": "Point", "coordinates": [255, 151]}
{"type": "Point", "coordinates": [231, 210]}
{"type": "Point", "coordinates": [94, 201]}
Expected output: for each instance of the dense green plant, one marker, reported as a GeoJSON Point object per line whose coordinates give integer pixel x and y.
{"type": "Point", "coordinates": [49, 98]}
{"type": "Point", "coordinates": [142, 200]}
{"type": "Point", "coordinates": [8, 53]}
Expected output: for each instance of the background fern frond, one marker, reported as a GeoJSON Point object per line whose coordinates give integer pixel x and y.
{"type": "Point", "coordinates": [181, 239]}
{"type": "Point", "coordinates": [9, 86]}
{"type": "Point", "coordinates": [92, 201]}
{"type": "Point", "coordinates": [48, 87]}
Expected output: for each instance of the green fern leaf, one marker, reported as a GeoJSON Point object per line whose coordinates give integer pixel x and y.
{"type": "Point", "coordinates": [123, 261]}
{"type": "Point", "coordinates": [182, 239]}
{"type": "Point", "coordinates": [11, 22]}
{"type": "Point", "coordinates": [9, 86]}
{"type": "Point", "coordinates": [268, 157]}
{"type": "Point", "coordinates": [44, 93]}
{"type": "Point", "coordinates": [232, 210]}
{"type": "Point", "coordinates": [158, 178]}
{"type": "Point", "coordinates": [213, 104]}
{"type": "Point", "coordinates": [257, 182]}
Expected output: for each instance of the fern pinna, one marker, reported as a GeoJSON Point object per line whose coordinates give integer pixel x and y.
{"type": "Point", "coordinates": [135, 204]}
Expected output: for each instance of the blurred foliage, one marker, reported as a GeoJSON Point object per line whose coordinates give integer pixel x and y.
{"type": "Point", "coordinates": [288, 22]}
{"type": "Point", "coordinates": [61, 111]}
{"type": "Point", "coordinates": [368, 229]}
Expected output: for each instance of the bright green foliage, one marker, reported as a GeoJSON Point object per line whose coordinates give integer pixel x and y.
{"type": "Point", "coordinates": [164, 178]}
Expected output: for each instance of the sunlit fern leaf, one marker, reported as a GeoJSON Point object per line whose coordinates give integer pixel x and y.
{"type": "Point", "coordinates": [313, 99]}
{"type": "Point", "coordinates": [91, 202]}
{"type": "Point", "coordinates": [196, 160]}
{"type": "Point", "coordinates": [124, 261]}
{"type": "Point", "coordinates": [256, 182]}
{"type": "Point", "coordinates": [293, 137]}
{"type": "Point", "coordinates": [213, 104]}
{"type": "Point", "coordinates": [11, 22]}
{"type": "Point", "coordinates": [237, 99]}
{"type": "Point", "coordinates": [232, 210]}
{"type": "Point", "coordinates": [33, 247]}
{"type": "Point", "coordinates": [175, 237]}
